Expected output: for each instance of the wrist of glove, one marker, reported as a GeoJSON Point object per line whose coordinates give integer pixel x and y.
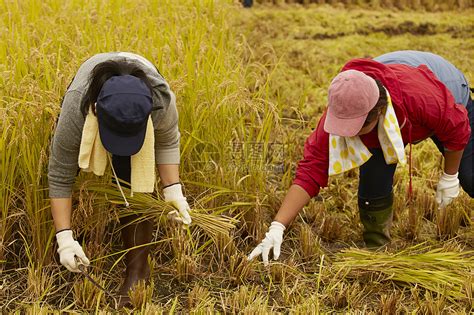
{"type": "Point", "coordinates": [273, 239]}
{"type": "Point", "coordinates": [174, 195]}
{"type": "Point", "coordinates": [447, 190]}
{"type": "Point", "coordinates": [68, 250]}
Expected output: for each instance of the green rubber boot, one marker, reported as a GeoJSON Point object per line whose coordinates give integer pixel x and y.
{"type": "Point", "coordinates": [376, 215]}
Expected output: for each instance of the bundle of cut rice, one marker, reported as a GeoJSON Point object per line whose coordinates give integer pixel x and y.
{"type": "Point", "coordinates": [211, 222]}
{"type": "Point", "coordinates": [437, 270]}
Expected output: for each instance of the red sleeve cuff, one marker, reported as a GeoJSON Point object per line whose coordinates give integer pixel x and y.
{"type": "Point", "coordinates": [311, 189]}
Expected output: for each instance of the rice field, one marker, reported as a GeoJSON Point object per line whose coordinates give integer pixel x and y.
{"type": "Point", "coordinates": [250, 86]}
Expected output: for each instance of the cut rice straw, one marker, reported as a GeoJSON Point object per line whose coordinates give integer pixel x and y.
{"type": "Point", "coordinates": [150, 204]}
{"type": "Point", "coordinates": [435, 270]}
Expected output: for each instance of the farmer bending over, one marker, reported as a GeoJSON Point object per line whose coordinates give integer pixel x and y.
{"type": "Point", "coordinates": [375, 108]}
{"type": "Point", "coordinates": [118, 105]}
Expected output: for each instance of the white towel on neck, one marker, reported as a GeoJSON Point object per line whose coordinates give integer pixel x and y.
{"type": "Point", "coordinates": [93, 156]}
{"type": "Point", "coordinates": [346, 153]}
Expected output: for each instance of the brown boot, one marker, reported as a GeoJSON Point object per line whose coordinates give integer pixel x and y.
{"type": "Point", "coordinates": [136, 260]}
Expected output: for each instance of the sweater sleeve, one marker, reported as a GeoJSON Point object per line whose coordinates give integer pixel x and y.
{"type": "Point", "coordinates": [312, 170]}
{"type": "Point", "coordinates": [63, 159]}
{"type": "Point", "coordinates": [167, 135]}
{"type": "Point", "coordinates": [440, 113]}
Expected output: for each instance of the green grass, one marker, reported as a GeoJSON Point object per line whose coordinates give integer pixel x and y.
{"type": "Point", "coordinates": [241, 77]}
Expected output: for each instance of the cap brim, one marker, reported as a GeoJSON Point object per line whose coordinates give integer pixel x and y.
{"type": "Point", "coordinates": [343, 127]}
{"type": "Point", "coordinates": [119, 144]}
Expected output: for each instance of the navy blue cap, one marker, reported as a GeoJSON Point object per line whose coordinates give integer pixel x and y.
{"type": "Point", "coordinates": [123, 107]}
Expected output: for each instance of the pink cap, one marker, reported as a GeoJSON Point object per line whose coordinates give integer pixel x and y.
{"type": "Point", "coordinates": [352, 94]}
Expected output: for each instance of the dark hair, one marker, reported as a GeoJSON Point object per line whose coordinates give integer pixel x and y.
{"type": "Point", "coordinates": [380, 106]}
{"type": "Point", "coordinates": [104, 71]}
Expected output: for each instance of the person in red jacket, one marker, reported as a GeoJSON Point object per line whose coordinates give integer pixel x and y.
{"type": "Point", "coordinates": [374, 110]}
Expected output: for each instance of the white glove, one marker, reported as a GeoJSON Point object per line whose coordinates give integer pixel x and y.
{"type": "Point", "coordinates": [174, 195]}
{"type": "Point", "coordinates": [448, 189]}
{"type": "Point", "coordinates": [68, 249]}
{"type": "Point", "coordinates": [273, 238]}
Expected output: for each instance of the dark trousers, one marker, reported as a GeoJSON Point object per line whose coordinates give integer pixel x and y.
{"type": "Point", "coordinates": [247, 3]}
{"type": "Point", "coordinates": [376, 177]}
{"type": "Point", "coordinates": [122, 168]}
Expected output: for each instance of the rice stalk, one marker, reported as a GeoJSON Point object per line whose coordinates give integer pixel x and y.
{"type": "Point", "coordinates": [200, 298]}
{"type": "Point", "coordinates": [87, 295]}
{"type": "Point", "coordinates": [140, 294]}
{"type": "Point", "coordinates": [448, 220]}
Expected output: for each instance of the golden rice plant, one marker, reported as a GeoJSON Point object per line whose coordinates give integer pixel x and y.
{"type": "Point", "coordinates": [246, 300]}
{"type": "Point", "coordinates": [199, 298]}
{"type": "Point", "coordinates": [87, 295]}
{"type": "Point", "coordinates": [448, 220]}
{"type": "Point", "coordinates": [284, 273]}
{"type": "Point", "coordinates": [312, 305]}
{"type": "Point", "coordinates": [431, 302]}
{"type": "Point", "coordinates": [9, 182]}
{"type": "Point", "coordinates": [291, 295]}
{"type": "Point", "coordinates": [310, 243]}
{"type": "Point", "coordinates": [140, 294]}
{"type": "Point", "coordinates": [39, 282]}
{"type": "Point", "coordinates": [186, 264]}
{"type": "Point", "coordinates": [151, 308]}
{"type": "Point", "coordinates": [390, 303]}
{"type": "Point", "coordinates": [239, 269]}
{"type": "Point", "coordinates": [225, 247]}
{"type": "Point", "coordinates": [37, 308]}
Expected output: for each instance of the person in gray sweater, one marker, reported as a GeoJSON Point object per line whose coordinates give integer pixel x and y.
{"type": "Point", "coordinates": [123, 90]}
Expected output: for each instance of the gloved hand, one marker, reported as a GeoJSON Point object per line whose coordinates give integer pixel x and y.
{"type": "Point", "coordinates": [273, 239]}
{"type": "Point", "coordinates": [68, 249]}
{"type": "Point", "coordinates": [174, 195]}
{"type": "Point", "coordinates": [448, 189]}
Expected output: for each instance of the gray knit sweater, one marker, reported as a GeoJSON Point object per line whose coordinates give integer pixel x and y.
{"type": "Point", "coordinates": [63, 161]}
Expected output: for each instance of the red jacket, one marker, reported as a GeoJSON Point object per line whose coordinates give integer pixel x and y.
{"type": "Point", "coordinates": [423, 105]}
